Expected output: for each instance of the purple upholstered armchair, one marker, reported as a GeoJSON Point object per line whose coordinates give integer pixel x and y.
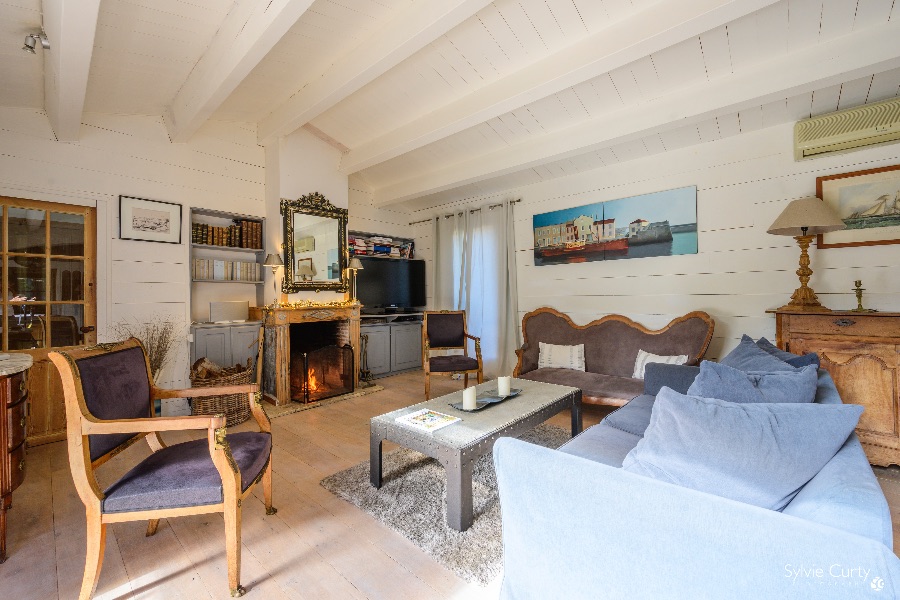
{"type": "Point", "coordinates": [446, 330]}
{"type": "Point", "coordinates": [109, 397]}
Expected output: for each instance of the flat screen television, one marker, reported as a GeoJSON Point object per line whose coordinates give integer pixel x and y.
{"type": "Point", "coordinates": [389, 285]}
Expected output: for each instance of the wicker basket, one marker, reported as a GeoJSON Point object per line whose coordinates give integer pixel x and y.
{"type": "Point", "coordinates": [234, 406]}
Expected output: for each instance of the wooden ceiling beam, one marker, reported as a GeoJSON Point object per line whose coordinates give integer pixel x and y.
{"type": "Point", "coordinates": [70, 27]}
{"type": "Point", "coordinates": [829, 63]}
{"type": "Point", "coordinates": [250, 30]}
{"type": "Point", "coordinates": [416, 27]}
{"type": "Point", "coordinates": [622, 42]}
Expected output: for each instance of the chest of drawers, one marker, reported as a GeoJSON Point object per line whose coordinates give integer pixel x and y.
{"type": "Point", "coordinates": [13, 424]}
{"type": "Point", "coordinates": [861, 351]}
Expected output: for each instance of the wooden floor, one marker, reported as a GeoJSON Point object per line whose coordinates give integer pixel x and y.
{"type": "Point", "coordinates": [317, 546]}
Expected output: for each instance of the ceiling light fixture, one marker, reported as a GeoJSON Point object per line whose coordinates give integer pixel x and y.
{"type": "Point", "coordinates": [32, 39]}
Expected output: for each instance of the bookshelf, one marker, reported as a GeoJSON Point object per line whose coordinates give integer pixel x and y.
{"type": "Point", "coordinates": [362, 243]}
{"type": "Point", "coordinates": [226, 248]}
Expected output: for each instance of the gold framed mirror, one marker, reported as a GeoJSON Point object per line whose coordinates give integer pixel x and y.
{"type": "Point", "coordinates": [315, 245]}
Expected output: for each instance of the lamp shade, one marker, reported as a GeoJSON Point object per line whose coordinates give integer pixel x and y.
{"type": "Point", "coordinates": [809, 213]}
{"type": "Point", "coordinates": [355, 264]}
{"type": "Point", "coordinates": [305, 270]}
{"type": "Point", "coordinates": [273, 260]}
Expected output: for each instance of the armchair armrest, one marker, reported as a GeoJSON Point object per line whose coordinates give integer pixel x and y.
{"type": "Point", "coordinates": [152, 425]}
{"type": "Point", "coordinates": [472, 337]}
{"type": "Point", "coordinates": [247, 388]}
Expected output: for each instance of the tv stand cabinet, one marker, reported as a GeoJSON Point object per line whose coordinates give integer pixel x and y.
{"type": "Point", "coordinates": [393, 342]}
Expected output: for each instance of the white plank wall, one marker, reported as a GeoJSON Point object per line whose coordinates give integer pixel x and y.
{"type": "Point", "coordinates": [221, 167]}
{"type": "Point", "coordinates": [363, 216]}
{"type": "Point", "coordinates": [743, 183]}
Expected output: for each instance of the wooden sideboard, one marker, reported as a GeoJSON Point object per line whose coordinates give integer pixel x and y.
{"type": "Point", "coordinates": [861, 351]}
{"type": "Point", "coordinates": [13, 423]}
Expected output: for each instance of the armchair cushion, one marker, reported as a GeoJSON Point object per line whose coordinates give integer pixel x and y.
{"type": "Point", "coordinates": [449, 364]}
{"type": "Point", "coordinates": [446, 330]}
{"type": "Point", "coordinates": [116, 386]}
{"type": "Point", "coordinates": [184, 475]}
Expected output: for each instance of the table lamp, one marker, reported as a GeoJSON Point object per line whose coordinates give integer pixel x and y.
{"type": "Point", "coordinates": [274, 261]}
{"type": "Point", "coordinates": [803, 219]}
{"type": "Point", "coordinates": [354, 266]}
{"type": "Point", "coordinates": [305, 270]}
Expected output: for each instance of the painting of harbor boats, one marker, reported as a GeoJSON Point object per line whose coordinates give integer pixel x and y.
{"type": "Point", "coordinates": [868, 202]}
{"type": "Point", "coordinates": [657, 224]}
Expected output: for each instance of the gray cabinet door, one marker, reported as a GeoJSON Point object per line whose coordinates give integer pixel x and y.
{"type": "Point", "coordinates": [406, 346]}
{"type": "Point", "coordinates": [378, 352]}
{"type": "Point", "coordinates": [213, 343]}
{"type": "Point", "coordinates": [244, 342]}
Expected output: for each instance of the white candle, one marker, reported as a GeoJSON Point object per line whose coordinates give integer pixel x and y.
{"type": "Point", "coordinates": [503, 386]}
{"type": "Point", "coordinates": [469, 398]}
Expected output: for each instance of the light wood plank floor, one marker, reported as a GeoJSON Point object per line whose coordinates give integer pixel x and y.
{"type": "Point", "coordinates": [317, 546]}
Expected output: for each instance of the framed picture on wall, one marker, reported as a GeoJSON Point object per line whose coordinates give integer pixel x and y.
{"type": "Point", "coordinates": [868, 202]}
{"type": "Point", "coordinates": [149, 220]}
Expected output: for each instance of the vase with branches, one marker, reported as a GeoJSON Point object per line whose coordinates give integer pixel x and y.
{"type": "Point", "coordinates": [159, 335]}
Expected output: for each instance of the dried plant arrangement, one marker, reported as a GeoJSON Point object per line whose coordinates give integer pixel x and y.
{"type": "Point", "coordinates": [159, 336]}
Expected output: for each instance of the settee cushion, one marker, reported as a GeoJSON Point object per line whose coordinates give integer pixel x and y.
{"type": "Point", "coordinates": [644, 358]}
{"type": "Point", "coordinates": [759, 454]}
{"type": "Point", "coordinates": [747, 356]}
{"type": "Point", "coordinates": [795, 360]}
{"type": "Point", "coordinates": [726, 383]}
{"type": "Point", "coordinates": [595, 385]}
{"type": "Point", "coordinates": [561, 357]}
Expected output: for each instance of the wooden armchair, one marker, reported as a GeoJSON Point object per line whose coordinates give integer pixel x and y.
{"type": "Point", "coordinates": [446, 330]}
{"type": "Point", "coordinates": [109, 397]}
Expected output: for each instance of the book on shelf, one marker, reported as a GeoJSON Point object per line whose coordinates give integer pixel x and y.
{"type": "Point", "coordinates": [243, 233]}
{"type": "Point", "coordinates": [427, 420]}
{"type": "Point", "coordinates": [225, 270]}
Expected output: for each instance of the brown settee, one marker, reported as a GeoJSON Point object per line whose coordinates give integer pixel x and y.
{"type": "Point", "coordinates": [611, 346]}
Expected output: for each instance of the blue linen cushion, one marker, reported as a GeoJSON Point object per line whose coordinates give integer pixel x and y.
{"type": "Point", "coordinates": [747, 356]}
{"type": "Point", "coordinates": [795, 360]}
{"type": "Point", "coordinates": [757, 453]}
{"type": "Point", "coordinates": [726, 383]}
{"type": "Point", "coordinates": [677, 377]}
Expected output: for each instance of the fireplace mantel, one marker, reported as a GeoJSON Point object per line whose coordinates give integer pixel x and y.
{"type": "Point", "coordinates": [277, 321]}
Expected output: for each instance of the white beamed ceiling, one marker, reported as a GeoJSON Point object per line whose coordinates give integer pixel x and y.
{"type": "Point", "coordinates": [439, 101]}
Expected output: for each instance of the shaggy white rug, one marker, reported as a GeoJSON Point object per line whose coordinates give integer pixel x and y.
{"type": "Point", "coordinates": [413, 502]}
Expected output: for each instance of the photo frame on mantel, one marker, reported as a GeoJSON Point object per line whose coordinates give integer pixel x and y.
{"type": "Point", "coordinates": [149, 220]}
{"type": "Point", "coordinates": [315, 234]}
{"type": "Point", "coordinates": [868, 202]}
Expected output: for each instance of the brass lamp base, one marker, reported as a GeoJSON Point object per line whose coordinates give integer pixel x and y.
{"type": "Point", "coordinates": [804, 298]}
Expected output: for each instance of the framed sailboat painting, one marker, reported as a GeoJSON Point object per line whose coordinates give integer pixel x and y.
{"type": "Point", "coordinates": [868, 202]}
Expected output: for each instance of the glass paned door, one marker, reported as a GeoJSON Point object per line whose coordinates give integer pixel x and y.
{"type": "Point", "coordinates": [48, 296]}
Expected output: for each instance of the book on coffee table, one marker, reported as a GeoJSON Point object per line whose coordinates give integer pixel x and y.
{"type": "Point", "coordinates": [427, 420]}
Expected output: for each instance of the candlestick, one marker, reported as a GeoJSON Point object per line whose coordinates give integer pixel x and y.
{"type": "Point", "coordinates": [469, 402]}
{"type": "Point", "coordinates": [503, 384]}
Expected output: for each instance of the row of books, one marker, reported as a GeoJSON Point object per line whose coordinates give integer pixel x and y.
{"type": "Point", "coordinates": [374, 246]}
{"type": "Point", "coordinates": [225, 270]}
{"type": "Point", "coordinates": [243, 234]}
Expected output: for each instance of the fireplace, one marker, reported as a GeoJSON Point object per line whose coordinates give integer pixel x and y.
{"type": "Point", "coordinates": [321, 362]}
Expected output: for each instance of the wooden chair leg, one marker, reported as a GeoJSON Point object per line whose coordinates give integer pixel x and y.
{"type": "Point", "coordinates": [233, 547]}
{"type": "Point", "coordinates": [480, 376]}
{"type": "Point", "coordinates": [427, 386]}
{"type": "Point", "coordinates": [267, 489]}
{"type": "Point", "coordinates": [93, 561]}
{"type": "Point", "coordinates": [465, 380]}
{"type": "Point", "coordinates": [152, 526]}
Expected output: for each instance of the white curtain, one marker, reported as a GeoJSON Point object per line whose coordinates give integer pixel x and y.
{"type": "Point", "coordinates": [475, 270]}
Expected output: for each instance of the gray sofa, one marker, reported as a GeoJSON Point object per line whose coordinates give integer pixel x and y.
{"type": "Point", "coordinates": [611, 345]}
{"type": "Point", "coordinates": [576, 525]}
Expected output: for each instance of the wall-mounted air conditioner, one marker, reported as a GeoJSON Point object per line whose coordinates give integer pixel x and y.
{"type": "Point", "coordinates": [846, 130]}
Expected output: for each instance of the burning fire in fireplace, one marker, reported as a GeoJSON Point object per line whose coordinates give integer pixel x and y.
{"type": "Point", "coordinates": [321, 373]}
{"type": "Point", "coordinates": [312, 384]}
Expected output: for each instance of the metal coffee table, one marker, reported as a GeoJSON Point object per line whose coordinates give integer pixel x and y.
{"type": "Point", "coordinates": [459, 445]}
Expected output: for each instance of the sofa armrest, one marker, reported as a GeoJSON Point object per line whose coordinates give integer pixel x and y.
{"type": "Point", "coordinates": [590, 530]}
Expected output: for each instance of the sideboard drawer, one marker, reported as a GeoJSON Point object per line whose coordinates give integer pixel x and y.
{"type": "Point", "coordinates": [845, 325]}
{"type": "Point", "coordinates": [17, 422]}
{"type": "Point", "coordinates": [15, 466]}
